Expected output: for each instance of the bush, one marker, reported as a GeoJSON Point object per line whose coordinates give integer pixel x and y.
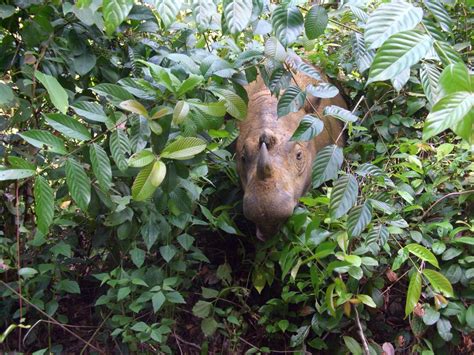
{"type": "Point", "coordinates": [121, 199]}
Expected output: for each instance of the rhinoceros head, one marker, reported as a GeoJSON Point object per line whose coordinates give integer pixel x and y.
{"type": "Point", "coordinates": [274, 171]}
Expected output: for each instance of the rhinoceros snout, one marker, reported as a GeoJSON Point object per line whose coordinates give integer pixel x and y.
{"type": "Point", "coordinates": [268, 210]}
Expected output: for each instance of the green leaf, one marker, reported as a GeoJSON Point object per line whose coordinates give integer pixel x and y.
{"type": "Point", "coordinates": [69, 286]}
{"type": "Point", "coordinates": [444, 329]}
{"type": "Point", "coordinates": [15, 174]}
{"type": "Point", "coordinates": [157, 301]}
{"type": "Point", "coordinates": [274, 50]}
{"type": "Point", "coordinates": [90, 110]}
{"type": "Point", "coordinates": [431, 316]}
{"type": "Point", "coordinates": [135, 107]}
{"type": "Point", "coordinates": [115, 12]}
{"type": "Point", "coordinates": [367, 300]}
{"type": "Point", "coordinates": [423, 253]}
{"type": "Point", "coordinates": [168, 10]}
{"type": "Point", "coordinates": [123, 292]}
{"type": "Point", "coordinates": [203, 11]}
{"type": "Point", "coordinates": [41, 139]}
{"type": "Point", "coordinates": [44, 204]}
{"type": "Point", "coordinates": [343, 196]}
{"type": "Point", "coordinates": [440, 14]}
{"type": "Point", "coordinates": [168, 252]}
{"type": "Point", "coordinates": [291, 101]}
{"type": "Point", "coordinates": [7, 97]}
{"type": "Point", "coordinates": [68, 126]}
{"type": "Point", "coordinates": [455, 78]}
{"type": "Point", "coordinates": [101, 166]}
{"type": "Point", "coordinates": [209, 326]}
{"type": "Point", "coordinates": [323, 90]}
{"type": "Point", "coordinates": [326, 165]}
{"type": "Point", "coordinates": [184, 148]}
{"type": "Point", "coordinates": [379, 234]}
{"type": "Point", "coordinates": [363, 56]}
{"type": "Point", "coordinates": [119, 145]}
{"type": "Point", "coordinates": [413, 293]}
{"type": "Point", "coordinates": [358, 219]}
{"type": "Point", "coordinates": [189, 84]}
{"type": "Point", "coordinates": [56, 92]}
{"type": "Point", "coordinates": [439, 282]}
{"type": "Point", "coordinates": [389, 19]}
{"type": "Point", "coordinates": [470, 316]}
{"type": "Point", "coordinates": [453, 111]}
{"type": "Point", "coordinates": [309, 127]}
{"type": "Point", "coordinates": [115, 93]}
{"type": "Point", "coordinates": [147, 180]}
{"type": "Point", "coordinates": [5, 12]}
{"type": "Point", "coordinates": [400, 80]}
{"type": "Point", "coordinates": [19, 163]}
{"type": "Point", "coordinates": [27, 272]}
{"type": "Point", "coordinates": [217, 109]}
{"type": "Point", "coordinates": [141, 159]}
{"type": "Point", "coordinates": [429, 75]}
{"type": "Point", "coordinates": [329, 299]}
{"type": "Point", "coordinates": [78, 183]}
{"type": "Point", "coordinates": [352, 345]}
{"type": "Point", "coordinates": [180, 112]}
{"type": "Point", "coordinates": [309, 70]}
{"type": "Point", "coordinates": [237, 14]}
{"type": "Point", "coordinates": [446, 53]}
{"type": "Point", "coordinates": [202, 309]}
{"type": "Point", "coordinates": [315, 22]}
{"type": "Point", "coordinates": [138, 256]}
{"type": "Point", "coordinates": [340, 113]}
{"type": "Point", "coordinates": [287, 22]}
{"type": "Point", "coordinates": [236, 107]}
{"type": "Point", "coordinates": [399, 53]}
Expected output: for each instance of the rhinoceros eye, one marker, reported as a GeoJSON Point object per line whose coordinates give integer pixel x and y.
{"type": "Point", "coordinates": [299, 155]}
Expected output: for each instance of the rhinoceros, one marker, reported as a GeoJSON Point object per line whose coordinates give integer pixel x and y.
{"type": "Point", "coordinates": [275, 171]}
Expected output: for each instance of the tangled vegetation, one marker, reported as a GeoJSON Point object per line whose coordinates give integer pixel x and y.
{"type": "Point", "coordinates": [121, 213]}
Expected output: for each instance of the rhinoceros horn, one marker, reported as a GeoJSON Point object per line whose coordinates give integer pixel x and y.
{"type": "Point", "coordinates": [264, 168]}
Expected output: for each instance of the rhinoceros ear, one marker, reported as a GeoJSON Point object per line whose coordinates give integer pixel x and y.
{"type": "Point", "coordinates": [264, 168]}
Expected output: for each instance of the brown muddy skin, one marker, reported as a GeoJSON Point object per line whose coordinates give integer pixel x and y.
{"type": "Point", "coordinates": [275, 172]}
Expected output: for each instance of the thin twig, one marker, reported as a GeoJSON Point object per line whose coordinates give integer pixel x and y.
{"type": "Point", "coordinates": [272, 351]}
{"type": "Point", "coordinates": [96, 331]}
{"type": "Point", "coordinates": [54, 321]}
{"type": "Point", "coordinates": [177, 343]}
{"type": "Point", "coordinates": [344, 25]}
{"type": "Point", "coordinates": [442, 198]}
{"type": "Point", "coordinates": [18, 256]}
{"type": "Point", "coordinates": [361, 333]}
{"type": "Point", "coordinates": [186, 342]}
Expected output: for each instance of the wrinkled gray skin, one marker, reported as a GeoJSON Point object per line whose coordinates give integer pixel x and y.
{"type": "Point", "coordinates": [275, 172]}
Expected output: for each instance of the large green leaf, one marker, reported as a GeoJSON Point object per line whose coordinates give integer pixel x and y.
{"type": "Point", "coordinates": [454, 78]}
{"type": "Point", "coordinates": [440, 14]}
{"type": "Point", "coordinates": [141, 158]}
{"type": "Point", "coordinates": [115, 93]}
{"type": "Point", "coordinates": [439, 282]}
{"type": "Point", "coordinates": [56, 92]}
{"type": "Point", "coordinates": [389, 19]}
{"type": "Point", "coordinates": [446, 53]}
{"type": "Point", "coordinates": [7, 97]}
{"type": "Point", "coordinates": [315, 22]}
{"type": "Point", "coordinates": [362, 55]}
{"type": "Point", "coordinates": [274, 50]}
{"type": "Point", "coordinates": [44, 204]}
{"type": "Point", "coordinates": [168, 10]}
{"type": "Point", "coordinates": [343, 195]}
{"type": "Point", "coordinates": [287, 22]}
{"type": "Point", "coordinates": [119, 145]}
{"type": "Point", "coordinates": [454, 111]}
{"type": "Point", "coordinates": [15, 174]}
{"type": "Point", "coordinates": [217, 109]}
{"type": "Point", "coordinates": [398, 53]}
{"type": "Point", "coordinates": [41, 139]}
{"type": "Point", "coordinates": [101, 166]}
{"type": "Point", "coordinates": [379, 234]}
{"type": "Point", "coordinates": [326, 165]}
{"type": "Point", "coordinates": [429, 75]}
{"type": "Point", "coordinates": [291, 101]}
{"type": "Point", "coordinates": [203, 11]}
{"type": "Point", "coordinates": [340, 113]}
{"type": "Point", "coordinates": [115, 12]}
{"type": "Point", "coordinates": [309, 127]}
{"type": "Point", "coordinates": [90, 110]}
{"type": "Point", "coordinates": [236, 107]}
{"type": "Point", "coordinates": [358, 219]}
{"type": "Point", "coordinates": [184, 148]}
{"type": "Point", "coordinates": [322, 90]}
{"type": "Point", "coordinates": [135, 107]}
{"type": "Point", "coordinates": [413, 293]}
{"type": "Point", "coordinates": [68, 126]}
{"type": "Point", "coordinates": [237, 14]}
{"type": "Point", "coordinates": [309, 70]}
{"type": "Point", "coordinates": [78, 183]}
{"type": "Point", "coordinates": [189, 84]}
{"type": "Point", "coordinates": [147, 180]}
{"type": "Point", "coordinates": [423, 253]}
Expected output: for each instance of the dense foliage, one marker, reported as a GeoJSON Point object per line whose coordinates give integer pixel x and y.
{"type": "Point", "coordinates": [121, 219]}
